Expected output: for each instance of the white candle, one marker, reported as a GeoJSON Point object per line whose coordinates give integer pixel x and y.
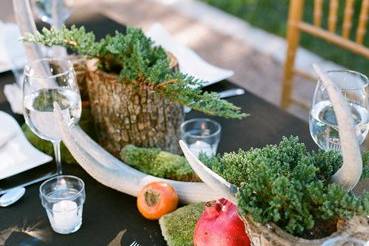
{"type": "Point", "coordinates": [201, 147]}
{"type": "Point", "coordinates": [65, 218]}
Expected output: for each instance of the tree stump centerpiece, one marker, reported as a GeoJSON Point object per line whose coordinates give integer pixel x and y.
{"type": "Point", "coordinates": [136, 95]}
{"type": "Point", "coordinates": [125, 113]}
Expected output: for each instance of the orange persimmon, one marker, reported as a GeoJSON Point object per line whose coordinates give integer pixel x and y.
{"type": "Point", "coordinates": [156, 199]}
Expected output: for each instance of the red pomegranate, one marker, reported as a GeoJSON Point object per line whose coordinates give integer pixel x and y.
{"type": "Point", "coordinates": [220, 225]}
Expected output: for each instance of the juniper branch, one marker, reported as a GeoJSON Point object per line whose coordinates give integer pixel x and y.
{"type": "Point", "coordinates": [137, 59]}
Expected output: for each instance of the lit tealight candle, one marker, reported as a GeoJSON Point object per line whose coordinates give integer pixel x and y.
{"type": "Point", "coordinates": [201, 147]}
{"type": "Point", "coordinates": [65, 216]}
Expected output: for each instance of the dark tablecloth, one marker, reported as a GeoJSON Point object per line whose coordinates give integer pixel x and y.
{"type": "Point", "coordinates": [107, 212]}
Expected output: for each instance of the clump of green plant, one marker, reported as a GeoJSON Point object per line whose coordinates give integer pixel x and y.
{"type": "Point", "coordinates": [134, 57]}
{"type": "Point", "coordinates": [291, 187]}
{"type": "Point", "coordinates": [159, 163]}
{"type": "Point", "coordinates": [178, 227]}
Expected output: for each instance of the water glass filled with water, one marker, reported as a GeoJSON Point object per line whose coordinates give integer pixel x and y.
{"type": "Point", "coordinates": [49, 81]}
{"type": "Point", "coordinates": [322, 120]}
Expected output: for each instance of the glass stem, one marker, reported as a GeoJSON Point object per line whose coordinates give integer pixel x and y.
{"type": "Point", "coordinates": [56, 145]}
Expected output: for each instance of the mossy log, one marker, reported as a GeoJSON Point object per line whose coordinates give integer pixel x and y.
{"type": "Point", "coordinates": [125, 113]}
{"type": "Point", "coordinates": [272, 235]}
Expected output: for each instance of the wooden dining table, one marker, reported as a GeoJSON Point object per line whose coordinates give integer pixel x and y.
{"type": "Point", "coordinates": [109, 214]}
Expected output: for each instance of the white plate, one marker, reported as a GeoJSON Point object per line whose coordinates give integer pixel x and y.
{"type": "Point", "coordinates": [4, 67]}
{"type": "Point", "coordinates": [189, 62]}
{"type": "Point", "coordinates": [18, 155]}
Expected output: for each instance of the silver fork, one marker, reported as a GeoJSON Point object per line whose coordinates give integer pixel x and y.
{"type": "Point", "coordinates": [134, 243]}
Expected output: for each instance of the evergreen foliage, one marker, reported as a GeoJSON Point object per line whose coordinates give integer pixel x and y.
{"type": "Point", "coordinates": [135, 58]}
{"type": "Point", "coordinates": [289, 186]}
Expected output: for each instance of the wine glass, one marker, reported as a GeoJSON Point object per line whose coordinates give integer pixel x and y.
{"type": "Point", "coordinates": [47, 81]}
{"type": "Point", "coordinates": [322, 121]}
{"type": "Point", "coordinates": [54, 12]}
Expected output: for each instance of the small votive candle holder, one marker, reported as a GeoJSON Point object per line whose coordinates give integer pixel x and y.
{"type": "Point", "coordinates": [201, 135]}
{"type": "Point", "coordinates": [63, 197]}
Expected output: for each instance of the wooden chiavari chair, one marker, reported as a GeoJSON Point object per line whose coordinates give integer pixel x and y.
{"type": "Point", "coordinates": [296, 25]}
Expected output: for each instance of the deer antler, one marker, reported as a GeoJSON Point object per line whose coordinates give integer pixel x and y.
{"type": "Point", "coordinates": [350, 172]}
{"type": "Point", "coordinates": [115, 174]}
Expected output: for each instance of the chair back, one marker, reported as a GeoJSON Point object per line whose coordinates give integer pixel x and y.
{"type": "Point", "coordinates": [345, 37]}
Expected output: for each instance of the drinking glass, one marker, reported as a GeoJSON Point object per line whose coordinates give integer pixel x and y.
{"type": "Point", "coordinates": [63, 198]}
{"type": "Point", "coordinates": [322, 120]}
{"type": "Point", "coordinates": [48, 81]}
{"type": "Point", "coordinates": [201, 135]}
{"type": "Point", "coordinates": [54, 12]}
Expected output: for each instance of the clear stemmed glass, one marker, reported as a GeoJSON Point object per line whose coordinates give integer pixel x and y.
{"type": "Point", "coordinates": [322, 121]}
{"type": "Point", "coordinates": [47, 81]}
{"type": "Point", "coordinates": [54, 12]}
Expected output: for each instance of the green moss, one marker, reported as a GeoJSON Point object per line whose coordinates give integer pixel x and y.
{"type": "Point", "coordinates": [47, 147]}
{"type": "Point", "coordinates": [178, 227]}
{"type": "Point", "coordinates": [158, 163]}
{"type": "Point", "coordinates": [365, 174]}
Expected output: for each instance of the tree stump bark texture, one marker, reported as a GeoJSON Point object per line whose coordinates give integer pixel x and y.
{"type": "Point", "coordinates": [125, 113]}
{"type": "Point", "coordinates": [272, 235]}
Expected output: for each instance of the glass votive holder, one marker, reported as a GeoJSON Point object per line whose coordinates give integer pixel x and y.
{"type": "Point", "coordinates": [201, 135]}
{"type": "Point", "coordinates": [63, 198]}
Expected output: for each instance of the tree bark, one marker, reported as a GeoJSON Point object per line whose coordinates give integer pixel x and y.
{"type": "Point", "coordinates": [272, 235]}
{"type": "Point", "coordinates": [125, 113]}
{"type": "Point", "coordinates": [80, 68]}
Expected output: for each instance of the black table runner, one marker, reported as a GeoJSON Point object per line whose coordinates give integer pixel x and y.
{"type": "Point", "coordinates": [108, 212]}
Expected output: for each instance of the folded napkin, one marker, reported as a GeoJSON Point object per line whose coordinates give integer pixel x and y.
{"type": "Point", "coordinates": [13, 57]}
{"type": "Point", "coordinates": [11, 48]}
{"type": "Point", "coordinates": [189, 62]}
{"type": "Point", "coordinates": [16, 153]}
{"type": "Point", "coordinates": [13, 94]}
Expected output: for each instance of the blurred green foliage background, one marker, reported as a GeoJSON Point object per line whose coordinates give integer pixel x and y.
{"type": "Point", "coordinates": [272, 15]}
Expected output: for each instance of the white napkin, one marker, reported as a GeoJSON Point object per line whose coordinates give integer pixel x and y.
{"type": "Point", "coordinates": [12, 57]}
{"type": "Point", "coordinates": [189, 62]}
{"type": "Point", "coordinates": [13, 94]}
{"type": "Point", "coordinates": [11, 48]}
{"type": "Point", "coordinates": [16, 153]}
